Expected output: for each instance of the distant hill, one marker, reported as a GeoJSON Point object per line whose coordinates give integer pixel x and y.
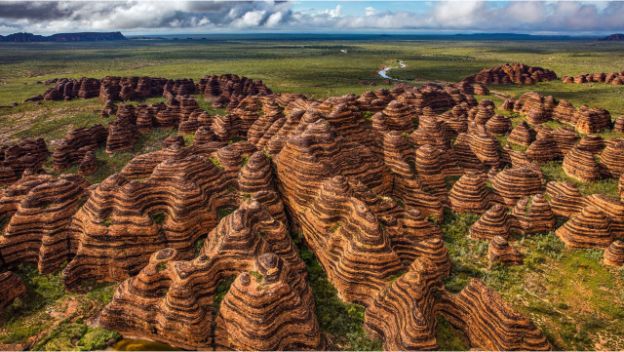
{"type": "Point", "coordinates": [614, 37]}
{"type": "Point", "coordinates": [63, 37]}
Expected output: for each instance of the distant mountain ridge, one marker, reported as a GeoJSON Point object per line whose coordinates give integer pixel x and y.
{"type": "Point", "coordinates": [614, 37]}
{"type": "Point", "coordinates": [63, 37]}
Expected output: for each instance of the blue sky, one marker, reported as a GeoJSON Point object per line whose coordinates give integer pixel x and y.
{"type": "Point", "coordinates": [161, 17]}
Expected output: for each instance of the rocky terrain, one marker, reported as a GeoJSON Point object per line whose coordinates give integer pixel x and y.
{"type": "Point", "coordinates": [200, 233]}
{"type": "Point", "coordinates": [614, 78]}
{"type": "Point", "coordinates": [512, 74]}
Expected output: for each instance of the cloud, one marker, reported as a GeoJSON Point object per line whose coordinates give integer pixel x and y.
{"type": "Point", "coordinates": [141, 15]}
{"type": "Point", "coordinates": [170, 16]}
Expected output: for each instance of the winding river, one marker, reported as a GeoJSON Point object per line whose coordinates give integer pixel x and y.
{"type": "Point", "coordinates": [383, 73]}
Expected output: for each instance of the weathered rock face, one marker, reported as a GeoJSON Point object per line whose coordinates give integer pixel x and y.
{"type": "Point", "coordinates": [536, 107]}
{"type": "Point", "coordinates": [565, 112]}
{"type": "Point", "coordinates": [174, 206]}
{"type": "Point", "coordinates": [621, 187]}
{"type": "Point", "coordinates": [268, 307]}
{"type": "Point", "coordinates": [498, 125]}
{"type": "Point", "coordinates": [614, 254]}
{"type": "Point", "coordinates": [539, 109]}
{"type": "Point", "coordinates": [565, 198]}
{"type": "Point", "coordinates": [76, 144]}
{"type": "Point", "coordinates": [67, 89]}
{"type": "Point", "coordinates": [544, 148]}
{"type": "Point", "coordinates": [11, 287]}
{"type": "Point", "coordinates": [594, 221]}
{"type": "Point", "coordinates": [122, 134]}
{"type": "Point", "coordinates": [592, 120]}
{"type": "Point", "coordinates": [403, 315]}
{"type": "Point", "coordinates": [39, 210]}
{"type": "Point", "coordinates": [533, 215]}
{"type": "Point", "coordinates": [470, 194]}
{"type": "Point", "coordinates": [517, 182]}
{"type": "Point", "coordinates": [587, 229]}
{"type": "Point", "coordinates": [358, 187]}
{"type": "Point", "coordinates": [618, 125]}
{"type": "Point", "coordinates": [612, 157]}
{"type": "Point", "coordinates": [494, 222]}
{"type": "Point", "coordinates": [27, 154]}
{"type": "Point", "coordinates": [500, 251]}
{"type": "Point", "coordinates": [614, 78]}
{"type": "Point", "coordinates": [222, 90]}
{"type": "Point", "coordinates": [580, 164]}
{"type": "Point", "coordinates": [130, 88]}
{"type": "Point", "coordinates": [522, 135]}
{"type": "Point", "coordinates": [515, 73]}
{"type": "Point", "coordinates": [489, 322]}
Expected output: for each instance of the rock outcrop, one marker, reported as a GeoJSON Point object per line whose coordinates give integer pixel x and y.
{"type": "Point", "coordinates": [494, 222]}
{"type": "Point", "coordinates": [77, 144]}
{"type": "Point", "coordinates": [500, 251]}
{"type": "Point", "coordinates": [27, 154]}
{"type": "Point", "coordinates": [269, 305]}
{"type": "Point", "coordinates": [39, 211]}
{"type": "Point", "coordinates": [614, 78]}
{"type": "Point", "coordinates": [489, 322]}
{"type": "Point", "coordinates": [515, 183]}
{"type": "Point", "coordinates": [515, 73]}
{"type": "Point", "coordinates": [614, 254]}
{"type": "Point", "coordinates": [11, 287]}
{"type": "Point", "coordinates": [470, 194]}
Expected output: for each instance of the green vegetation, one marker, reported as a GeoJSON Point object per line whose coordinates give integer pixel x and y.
{"type": "Point", "coordinates": [50, 318]}
{"type": "Point", "coordinates": [569, 294]}
{"type": "Point", "coordinates": [449, 338]}
{"type": "Point", "coordinates": [553, 171]}
{"type": "Point", "coordinates": [313, 68]}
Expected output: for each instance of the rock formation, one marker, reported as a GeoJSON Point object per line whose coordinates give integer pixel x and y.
{"type": "Point", "coordinates": [612, 157]}
{"type": "Point", "coordinates": [517, 182]}
{"type": "Point", "coordinates": [174, 205]}
{"type": "Point", "coordinates": [587, 229]}
{"type": "Point", "coordinates": [592, 120]}
{"type": "Point", "coordinates": [579, 163]}
{"type": "Point", "coordinates": [470, 194]}
{"type": "Point", "coordinates": [533, 215]}
{"type": "Point", "coordinates": [403, 315]}
{"type": "Point", "coordinates": [489, 322]}
{"type": "Point", "coordinates": [199, 235]}
{"type": "Point", "coordinates": [500, 251]}
{"type": "Point", "coordinates": [614, 254]}
{"type": "Point", "coordinates": [76, 144]}
{"type": "Point", "coordinates": [268, 306]}
{"type": "Point", "coordinates": [221, 90]}
{"type": "Point", "coordinates": [614, 78]}
{"type": "Point", "coordinates": [494, 222]}
{"type": "Point", "coordinates": [515, 73]}
{"type": "Point", "coordinates": [39, 210]}
{"type": "Point", "coordinates": [27, 154]}
{"type": "Point", "coordinates": [11, 287]}
{"type": "Point", "coordinates": [522, 135]}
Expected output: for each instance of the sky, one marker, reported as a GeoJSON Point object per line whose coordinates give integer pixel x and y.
{"type": "Point", "coordinates": [170, 17]}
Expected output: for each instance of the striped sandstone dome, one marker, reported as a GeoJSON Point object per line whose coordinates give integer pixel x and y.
{"type": "Point", "coordinates": [500, 251]}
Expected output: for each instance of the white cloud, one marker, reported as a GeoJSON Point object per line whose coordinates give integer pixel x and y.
{"type": "Point", "coordinates": [148, 16]}
{"type": "Point", "coordinates": [336, 12]}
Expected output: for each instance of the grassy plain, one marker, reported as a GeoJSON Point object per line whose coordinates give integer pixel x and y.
{"type": "Point", "coordinates": [577, 302]}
